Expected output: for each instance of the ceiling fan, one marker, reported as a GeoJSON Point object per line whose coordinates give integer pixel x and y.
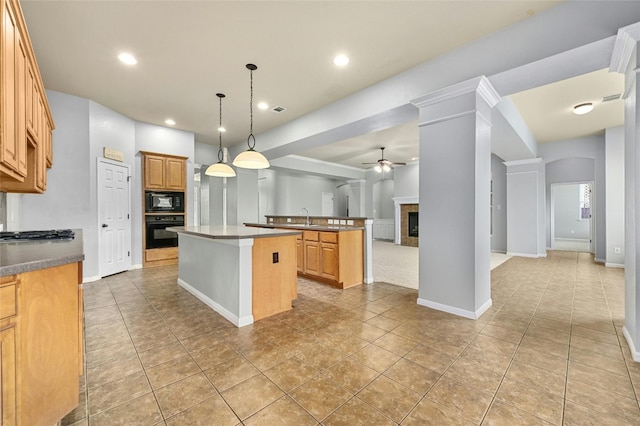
{"type": "Point", "coordinates": [384, 165]}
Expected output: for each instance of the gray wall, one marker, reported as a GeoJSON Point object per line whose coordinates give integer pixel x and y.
{"type": "Point", "coordinates": [285, 193]}
{"type": "Point", "coordinates": [384, 208]}
{"type": "Point", "coordinates": [83, 129]}
{"type": "Point", "coordinates": [578, 160]}
{"type": "Point", "coordinates": [406, 180]}
{"type": "Point", "coordinates": [566, 213]}
{"type": "Point", "coordinates": [614, 141]}
{"type": "Point", "coordinates": [499, 219]}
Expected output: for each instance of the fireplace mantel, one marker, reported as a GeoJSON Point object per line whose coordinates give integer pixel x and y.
{"type": "Point", "coordinates": [398, 201]}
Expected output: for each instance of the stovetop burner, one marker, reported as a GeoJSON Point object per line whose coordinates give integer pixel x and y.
{"type": "Point", "coordinates": [54, 234]}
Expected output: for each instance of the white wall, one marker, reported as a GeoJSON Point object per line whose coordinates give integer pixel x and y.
{"type": "Point", "coordinates": [614, 147]}
{"type": "Point", "coordinates": [83, 129]}
{"type": "Point", "coordinates": [499, 219]}
{"type": "Point", "coordinates": [566, 213]}
{"type": "Point", "coordinates": [573, 161]}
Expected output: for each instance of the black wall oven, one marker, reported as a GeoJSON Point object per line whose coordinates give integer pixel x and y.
{"type": "Point", "coordinates": [157, 235]}
{"type": "Point", "coordinates": [164, 202]}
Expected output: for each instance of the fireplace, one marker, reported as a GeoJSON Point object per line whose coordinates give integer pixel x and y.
{"type": "Point", "coordinates": [412, 220]}
{"type": "Point", "coordinates": [409, 224]}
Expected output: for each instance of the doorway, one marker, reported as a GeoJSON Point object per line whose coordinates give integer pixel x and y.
{"type": "Point", "coordinates": [571, 216]}
{"type": "Point", "coordinates": [114, 215]}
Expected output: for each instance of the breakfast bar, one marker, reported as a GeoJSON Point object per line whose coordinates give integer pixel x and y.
{"type": "Point", "coordinates": [245, 274]}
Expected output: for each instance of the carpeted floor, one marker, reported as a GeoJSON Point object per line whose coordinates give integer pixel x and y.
{"type": "Point", "coordinates": [396, 264]}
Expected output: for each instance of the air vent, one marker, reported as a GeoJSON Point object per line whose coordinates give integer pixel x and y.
{"type": "Point", "coordinates": [611, 97]}
{"type": "Point", "coordinates": [278, 109]}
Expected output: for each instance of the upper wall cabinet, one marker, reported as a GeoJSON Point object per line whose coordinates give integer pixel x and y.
{"type": "Point", "coordinates": [26, 124]}
{"type": "Point", "coordinates": [164, 172]}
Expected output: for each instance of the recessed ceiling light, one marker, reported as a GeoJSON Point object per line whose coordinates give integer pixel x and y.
{"type": "Point", "coordinates": [127, 58]}
{"type": "Point", "coordinates": [341, 60]}
{"type": "Point", "coordinates": [222, 129]}
{"type": "Point", "coordinates": [584, 108]}
{"type": "Point", "coordinates": [415, 158]}
{"type": "Point", "coordinates": [169, 122]}
{"type": "Point", "coordinates": [263, 105]}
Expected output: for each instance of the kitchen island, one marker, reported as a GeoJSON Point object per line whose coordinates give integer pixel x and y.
{"type": "Point", "coordinates": [331, 250]}
{"type": "Point", "coordinates": [245, 274]}
{"type": "Point", "coordinates": [41, 345]}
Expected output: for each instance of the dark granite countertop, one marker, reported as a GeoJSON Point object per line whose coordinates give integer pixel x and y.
{"type": "Point", "coordinates": [231, 232]}
{"type": "Point", "coordinates": [303, 227]}
{"type": "Point", "coordinates": [17, 257]}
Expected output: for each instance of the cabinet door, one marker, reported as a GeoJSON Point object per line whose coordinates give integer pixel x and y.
{"type": "Point", "coordinates": [31, 90]}
{"type": "Point", "coordinates": [8, 376]}
{"type": "Point", "coordinates": [329, 261]}
{"type": "Point", "coordinates": [9, 142]}
{"type": "Point", "coordinates": [300, 255]}
{"type": "Point", "coordinates": [21, 104]}
{"type": "Point", "coordinates": [311, 258]}
{"type": "Point", "coordinates": [48, 144]}
{"type": "Point", "coordinates": [154, 172]}
{"type": "Point", "coordinates": [175, 174]}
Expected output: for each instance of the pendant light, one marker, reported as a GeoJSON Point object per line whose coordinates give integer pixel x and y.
{"type": "Point", "coordinates": [220, 169]}
{"type": "Point", "coordinates": [251, 159]}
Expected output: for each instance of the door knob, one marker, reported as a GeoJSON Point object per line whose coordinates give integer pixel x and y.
{"type": "Point", "coordinates": [104, 225]}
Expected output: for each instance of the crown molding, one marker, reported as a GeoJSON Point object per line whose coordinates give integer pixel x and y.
{"type": "Point", "coordinates": [626, 41]}
{"type": "Point", "coordinates": [480, 85]}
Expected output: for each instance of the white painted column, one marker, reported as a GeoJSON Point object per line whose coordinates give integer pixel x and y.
{"type": "Point", "coordinates": [368, 251]}
{"type": "Point", "coordinates": [358, 194]}
{"type": "Point", "coordinates": [614, 182]}
{"type": "Point", "coordinates": [455, 179]}
{"type": "Point", "coordinates": [625, 60]}
{"type": "Point", "coordinates": [525, 208]}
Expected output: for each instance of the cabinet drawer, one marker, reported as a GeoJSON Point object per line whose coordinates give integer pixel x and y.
{"type": "Point", "coordinates": [7, 301]}
{"type": "Point", "coordinates": [161, 254]}
{"type": "Point", "coordinates": [310, 235]}
{"type": "Point", "coordinates": [329, 237]}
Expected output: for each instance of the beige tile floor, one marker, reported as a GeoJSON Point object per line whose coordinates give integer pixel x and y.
{"type": "Point", "coordinates": [549, 351]}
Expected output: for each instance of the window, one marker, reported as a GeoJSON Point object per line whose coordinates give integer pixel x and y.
{"type": "Point", "coordinates": [585, 201]}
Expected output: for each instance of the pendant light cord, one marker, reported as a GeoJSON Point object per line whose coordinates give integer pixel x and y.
{"type": "Point", "coordinates": [220, 154]}
{"type": "Point", "coordinates": [251, 137]}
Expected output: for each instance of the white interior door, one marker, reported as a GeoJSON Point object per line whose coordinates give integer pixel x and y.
{"type": "Point", "coordinates": [327, 204]}
{"type": "Point", "coordinates": [114, 233]}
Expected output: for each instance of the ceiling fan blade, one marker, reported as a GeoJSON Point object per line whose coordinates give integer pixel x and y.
{"type": "Point", "coordinates": [371, 163]}
{"type": "Point", "coordinates": [398, 164]}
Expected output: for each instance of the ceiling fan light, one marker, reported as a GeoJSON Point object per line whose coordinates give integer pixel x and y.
{"type": "Point", "coordinates": [378, 168]}
{"type": "Point", "coordinates": [220, 170]}
{"type": "Point", "coordinates": [584, 108]}
{"type": "Point", "coordinates": [251, 159]}
{"type": "Point", "coordinates": [386, 168]}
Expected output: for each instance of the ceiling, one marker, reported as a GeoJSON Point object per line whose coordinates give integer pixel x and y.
{"type": "Point", "coordinates": [189, 51]}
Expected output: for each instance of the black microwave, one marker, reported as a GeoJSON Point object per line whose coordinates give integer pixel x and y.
{"type": "Point", "coordinates": [157, 201]}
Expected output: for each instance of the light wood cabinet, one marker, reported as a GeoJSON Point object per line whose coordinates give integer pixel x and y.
{"type": "Point", "coordinates": [300, 253]}
{"type": "Point", "coordinates": [41, 344]}
{"type": "Point", "coordinates": [8, 404]}
{"type": "Point", "coordinates": [163, 172]}
{"type": "Point", "coordinates": [336, 258]}
{"type": "Point", "coordinates": [26, 124]}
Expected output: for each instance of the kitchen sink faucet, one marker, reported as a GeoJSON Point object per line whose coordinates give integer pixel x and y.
{"type": "Point", "coordinates": [306, 210]}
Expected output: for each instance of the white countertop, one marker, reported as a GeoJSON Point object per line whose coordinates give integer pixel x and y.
{"type": "Point", "coordinates": [231, 232]}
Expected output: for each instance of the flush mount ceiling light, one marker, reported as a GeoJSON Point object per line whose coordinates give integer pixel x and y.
{"type": "Point", "coordinates": [251, 159]}
{"type": "Point", "coordinates": [127, 58]}
{"type": "Point", "coordinates": [169, 122]}
{"type": "Point", "coordinates": [584, 108]}
{"type": "Point", "coordinates": [341, 60]}
{"type": "Point", "coordinates": [220, 169]}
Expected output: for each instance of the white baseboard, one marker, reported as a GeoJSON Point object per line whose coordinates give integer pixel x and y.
{"type": "Point", "coordinates": [634, 352]}
{"type": "Point", "coordinates": [533, 256]}
{"type": "Point", "coordinates": [612, 265]}
{"type": "Point", "coordinates": [136, 266]}
{"type": "Point", "coordinates": [456, 311]}
{"type": "Point", "coordinates": [499, 251]}
{"type": "Point", "coordinates": [368, 280]}
{"type": "Point", "coordinates": [595, 259]}
{"type": "Point", "coordinates": [237, 321]}
{"type": "Point", "coordinates": [91, 279]}
{"type": "Point", "coordinates": [577, 240]}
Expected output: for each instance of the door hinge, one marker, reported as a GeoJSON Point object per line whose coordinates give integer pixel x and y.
{"type": "Point", "coordinates": [128, 254]}
{"type": "Point", "coordinates": [128, 178]}
{"type": "Point", "coordinates": [127, 215]}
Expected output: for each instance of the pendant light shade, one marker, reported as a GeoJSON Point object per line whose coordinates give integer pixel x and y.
{"type": "Point", "coordinates": [220, 169]}
{"type": "Point", "coordinates": [251, 159]}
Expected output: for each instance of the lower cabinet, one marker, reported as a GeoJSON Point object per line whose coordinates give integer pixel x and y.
{"type": "Point", "coordinates": [300, 253]}
{"type": "Point", "coordinates": [8, 375]}
{"type": "Point", "coordinates": [41, 344]}
{"type": "Point", "coordinates": [336, 258]}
